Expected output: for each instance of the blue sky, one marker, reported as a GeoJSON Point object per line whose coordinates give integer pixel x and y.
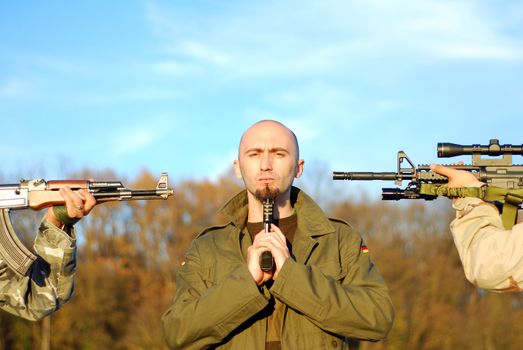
{"type": "Point", "coordinates": [171, 85]}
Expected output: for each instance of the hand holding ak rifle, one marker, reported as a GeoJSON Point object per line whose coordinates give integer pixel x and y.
{"type": "Point", "coordinates": [78, 204]}
{"type": "Point", "coordinates": [79, 197]}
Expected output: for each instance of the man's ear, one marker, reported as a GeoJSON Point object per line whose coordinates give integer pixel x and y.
{"type": "Point", "coordinates": [299, 168]}
{"type": "Point", "coordinates": [237, 171]}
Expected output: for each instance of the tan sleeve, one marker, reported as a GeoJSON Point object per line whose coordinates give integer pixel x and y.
{"type": "Point", "coordinates": [492, 257]}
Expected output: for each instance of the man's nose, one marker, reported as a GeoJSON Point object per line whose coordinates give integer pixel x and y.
{"type": "Point", "coordinates": [266, 161]}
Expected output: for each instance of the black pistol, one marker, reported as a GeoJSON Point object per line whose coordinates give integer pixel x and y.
{"type": "Point", "coordinates": [266, 260]}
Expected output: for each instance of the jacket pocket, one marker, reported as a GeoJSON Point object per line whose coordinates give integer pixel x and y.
{"type": "Point", "coordinates": [208, 276]}
{"type": "Point", "coordinates": [331, 268]}
{"type": "Point", "coordinates": [213, 274]}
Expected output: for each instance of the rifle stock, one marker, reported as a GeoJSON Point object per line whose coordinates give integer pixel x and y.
{"type": "Point", "coordinates": [38, 194]}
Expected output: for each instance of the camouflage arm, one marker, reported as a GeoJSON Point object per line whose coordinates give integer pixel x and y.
{"type": "Point", "coordinates": [50, 280]}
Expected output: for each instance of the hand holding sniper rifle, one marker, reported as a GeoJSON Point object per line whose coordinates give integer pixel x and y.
{"type": "Point", "coordinates": [496, 179]}
{"type": "Point", "coordinates": [456, 178]}
{"type": "Point", "coordinates": [37, 194]}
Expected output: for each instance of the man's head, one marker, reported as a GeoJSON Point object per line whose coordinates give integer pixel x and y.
{"type": "Point", "coordinates": [268, 159]}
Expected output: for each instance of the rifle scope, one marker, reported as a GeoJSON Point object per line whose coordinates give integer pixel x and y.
{"type": "Point", "coordinates": [446, 150]}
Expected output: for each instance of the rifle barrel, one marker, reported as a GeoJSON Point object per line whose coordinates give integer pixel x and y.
{"type": "Point", "coordinates": [133, 194]}
{"type": "Point", "coordinates": [385, 176]}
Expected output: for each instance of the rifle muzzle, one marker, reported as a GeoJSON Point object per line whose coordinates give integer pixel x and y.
{"type": "Point", "coordinates": [366, 176]}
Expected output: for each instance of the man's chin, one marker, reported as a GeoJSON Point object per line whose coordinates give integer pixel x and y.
{"type": "Point", "coordinates": [266, 192]}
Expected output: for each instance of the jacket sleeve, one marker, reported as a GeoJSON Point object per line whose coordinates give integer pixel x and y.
{"type": "Point", "coordinates": [355, 305]}
{"type": "Point", "coordinates": [491, 255]}
{"type": "Point", "coordinates": [205, 311]}
{"type": "Point", "coordinates": [50, 280]}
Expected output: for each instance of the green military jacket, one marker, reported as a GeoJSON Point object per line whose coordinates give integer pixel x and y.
{"type": "Point", "coordinates": [48, 283]}
{"type": "Point", "coordinates": [330, 288]}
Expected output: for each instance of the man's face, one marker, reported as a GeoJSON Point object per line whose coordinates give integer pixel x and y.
{"type": "Point", "coordinates": [267, 160]}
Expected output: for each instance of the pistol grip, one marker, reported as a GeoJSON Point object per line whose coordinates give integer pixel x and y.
{"type": "Point", "coordinates": [266, 261]}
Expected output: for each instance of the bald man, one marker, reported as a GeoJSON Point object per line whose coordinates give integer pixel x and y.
{"type": "Point", "coordinates": [323, 290]}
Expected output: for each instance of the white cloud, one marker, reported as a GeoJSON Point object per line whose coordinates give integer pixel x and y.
{"type": "Point", "coordinates": [474, 51]}
{"type": "Point", "coordinates": [264, 39]}
{"type": "Point", "coordinates": [144, 93]}
{"type": "Point", "coordinates": [141, 135]}
{"type": "Point", "coordinates": [131, 140]}
{"type": "Point", "coordinates": [218, 164]}
{"type": "Point", "coordinates": [323, 102]}
{"type": "Point", "coordinates": [14, 87]}
{"type": "Point", "coordinates": [462, 30]}
{"type": "Point", "coordinates": [52, 63]}
{"type": "Point", "coordinates": [173, 67]}
{"type": "Point", "coordinates": [204, 53]}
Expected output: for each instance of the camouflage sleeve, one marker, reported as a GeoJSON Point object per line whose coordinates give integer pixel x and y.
{"type": "Point", "coordinates": [50, 280]}
{"type": "Point", "coordinates": [490, 254]}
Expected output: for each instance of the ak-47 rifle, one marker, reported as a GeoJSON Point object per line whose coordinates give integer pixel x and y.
{"type": "Point", "coordinates": [38, 194]}
{"type": "Point", "coordinates": [504, 180]}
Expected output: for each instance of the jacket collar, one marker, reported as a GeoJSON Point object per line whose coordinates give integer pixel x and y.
{"type": "Point", "coordinates": [312, 221]}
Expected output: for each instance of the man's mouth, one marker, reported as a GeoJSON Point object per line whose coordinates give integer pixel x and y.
{"type": "Point", "coordinates": [266, 180]}
{"type": "Point", "coordinates": [265, 177]}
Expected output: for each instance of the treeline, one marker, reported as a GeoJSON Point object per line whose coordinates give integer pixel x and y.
{"type": "Point", "coordinates": [129, 254]}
